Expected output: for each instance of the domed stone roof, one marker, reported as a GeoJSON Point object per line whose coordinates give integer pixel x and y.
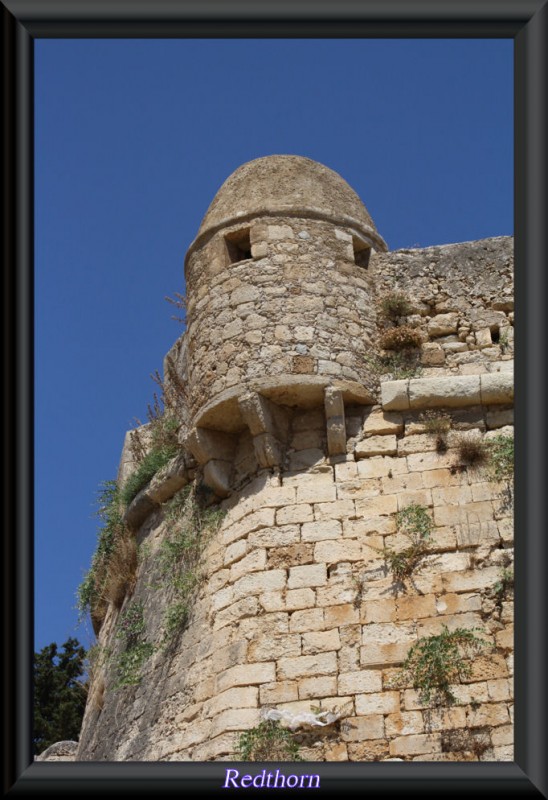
{"type": "Point", "coordinates": [288, 185]}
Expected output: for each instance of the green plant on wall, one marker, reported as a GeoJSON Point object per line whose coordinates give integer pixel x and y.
{"type": "Point", "coordinates": [438, 424]}
{"type": "Point", "coordinates": [400, 366]}
{"type": "Point", "coordinates": [395, 305]}
{"type": "Point", "coordinates": [189, 527]}
{"type": "Point", "coordinates": [415, 523]}
{"type": "Point", "coordinates": [501, 457]}
{"type": "Point", "coordinates": [435, 663]}
{"type": "Point", "coordinates": [268, 741]}
{"type": "Point", "coordinates": [131, 630]}
{"type": "Point", "coordinates": [503, 587]}
{"type": "Point", "coordinates": [90, 593]}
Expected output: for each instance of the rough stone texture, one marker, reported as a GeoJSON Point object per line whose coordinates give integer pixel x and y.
{"type": "Point", "coordinates": [315, 454]}
{"type": "Point", "coordinates": [60, 751]}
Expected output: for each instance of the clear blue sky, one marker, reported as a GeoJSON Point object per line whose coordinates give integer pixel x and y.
{"type": "Point", "coordinates": [133, 139]}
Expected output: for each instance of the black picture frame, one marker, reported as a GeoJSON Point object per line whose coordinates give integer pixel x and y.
{"type": "Point", "coordinates": [526, 22]}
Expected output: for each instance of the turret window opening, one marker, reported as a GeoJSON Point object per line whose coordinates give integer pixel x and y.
{"type": "Point", "coordinates": [238, 245]}
{"type": "Point", "coordinates": [362, 252]}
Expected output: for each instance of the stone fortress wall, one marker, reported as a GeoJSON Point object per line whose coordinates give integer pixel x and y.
{"type": "Point", "coordinates": [312, 452]}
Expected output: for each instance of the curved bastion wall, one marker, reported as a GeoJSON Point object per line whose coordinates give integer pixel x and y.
{"type": "Point", "coordinates": [295, 605]}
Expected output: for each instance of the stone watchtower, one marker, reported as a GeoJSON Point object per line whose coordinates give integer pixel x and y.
{"type": "Point", "coordinates": [305, 594]}
{"type": "Point", "coordinates": [280, 310]}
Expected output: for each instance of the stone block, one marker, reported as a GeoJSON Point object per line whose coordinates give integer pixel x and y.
{"type": "Point", "coordinates": [274, 647]}
{"type": "Point", "coordinates": [308, 575]}
{"type": "Point", "coordinates": [381, 505]}
{"type": "Point", "coordinates": [443, 324]}
{"type": "Point", "coordinates": [360, 682]}
{"type": "Point", "coordinates": [253, 562]}
{"type": "Point", "coordinates": [248, 607]}
{"type": "Point", "coordinates": [467, 513]}
{"type": "Point", "coordinates": [356, 729]}
{"type": "Point", "coordinates": [470, 580]}
{"type": "Point", "coordinates": [257, 583]}
{"type": "Point", "coordinates": [488, 714]}
{"type": "Point", "coordinates": [316, 688]}
{"type": "Point", "coordinates": [316, 492]}
{"type": "Point", "coordinates": [237, 697]}
{"type": "Point", "coordinates": [395, 395]}
{"type": "Point", "coordinates": [252, 522]}
{"type": "Point", "coordinates": [500, 690]}
{"type": "Point", "coordinates": [234, 719]}
{"type": "Point", "coordinates": [376, 446]}
{"type": "Point", "coordinates": [497, 387]}
{"type": "Point", "coordinates": [379, 422]}
{"type": "Point", "coordinates": [304, 459]}
{"type": "Point", "coordinates": [344, 614]}
{"type": "Point", "coordinates": [487, 667]}
{"type": "Point", "coordinates": [274, 537]}
{"type": "Point", "coordinates": [280, 692]}
{"type": "Point", "coordinates": [339, 509]}
{"type": "Point", "coordinates": [307, 666]}
{"type": "Point", "coordinates": [294, 514]}
{"type": "Point", "coordinates": [332, 551]}
{"type": "Point", "coordinates": [459, 390]}
{"type": "Point", "coordinates": [246, 675]}
{"type": "Point", "coordinates": [317, 531]}
{"type": "Point", "coordinates": [405, 723]}
{"type": "Point", "coordinates": [498, 419]}
{"type": "Point", "coordinates": [378, 611]}
{"type": "Point", "coordinates": [320, 641]}
{"type": "Point", "coordinates": [415, 607]}
{"type": "Point", "coordinates": [381, 467]}
{"type": "Point", "coordinates": [416, 745]}
{"type": "Point", "coordinates": [307, 620]}
{"type": "Point", "coordinates": [377, 703]}
{"type": "Point", "coordinates": [380, 655]}
{"type": "Point", "coordinates": [235, 551]}
{"type": "Point", "coordinates": [290, 556]}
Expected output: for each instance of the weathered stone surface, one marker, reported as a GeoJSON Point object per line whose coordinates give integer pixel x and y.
{"type": "Point", "coordinates": [461, 390]}
{"type": "Point", "coordinates": [497, 387]}
{"type": "Point", "coordinates": [60, 751]}
{"type": "Point", "coordinates": [395, 395]}
{"type": "Point", "coordinates": [442, 324]}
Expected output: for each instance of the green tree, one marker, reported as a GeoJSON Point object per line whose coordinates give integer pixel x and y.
{"type": "Point", "coordinates": [59, 695]}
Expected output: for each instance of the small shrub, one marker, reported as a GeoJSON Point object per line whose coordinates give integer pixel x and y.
{"type": "Point", "coordinates": [402, 338]}
{"type": "Point", "coordinates": [268, 742]}
{"type": "Point", "coordinates": [91, 594]}
{"type": "Point", "coordinates": [131, 630]}
{"type": "Point", "coordinates": [400, 366]}
{"type": "Point", "coordinates": [129, 664]}
{"type": "Point", "coordinates": [415, 523]}
{"type": "Point", "coordinates": [434, 663]}
{"type": "Point", "coordinates": [472, 451]}
{"type": "Point", "coordinates": [466, 741]}
{"type": "Point", "coordinates": [501, 457]}
{"type": "Point", "coordinates": [503, 587]}
{"type": "Point", "coordinates": [395, 305]}
{"type": "Point", "coordinates": [438, 424]}
{"type": "Point", "coordinates": [179, 556]}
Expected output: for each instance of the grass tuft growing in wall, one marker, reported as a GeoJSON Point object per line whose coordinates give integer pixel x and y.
{"type": "Point", "coordinates": [268, 741]}
{"type": "Point", "coordinates": [415, 523]}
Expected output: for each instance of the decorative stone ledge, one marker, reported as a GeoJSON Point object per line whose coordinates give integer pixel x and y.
{"type": "Point", "coordinates": [449, 392]}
